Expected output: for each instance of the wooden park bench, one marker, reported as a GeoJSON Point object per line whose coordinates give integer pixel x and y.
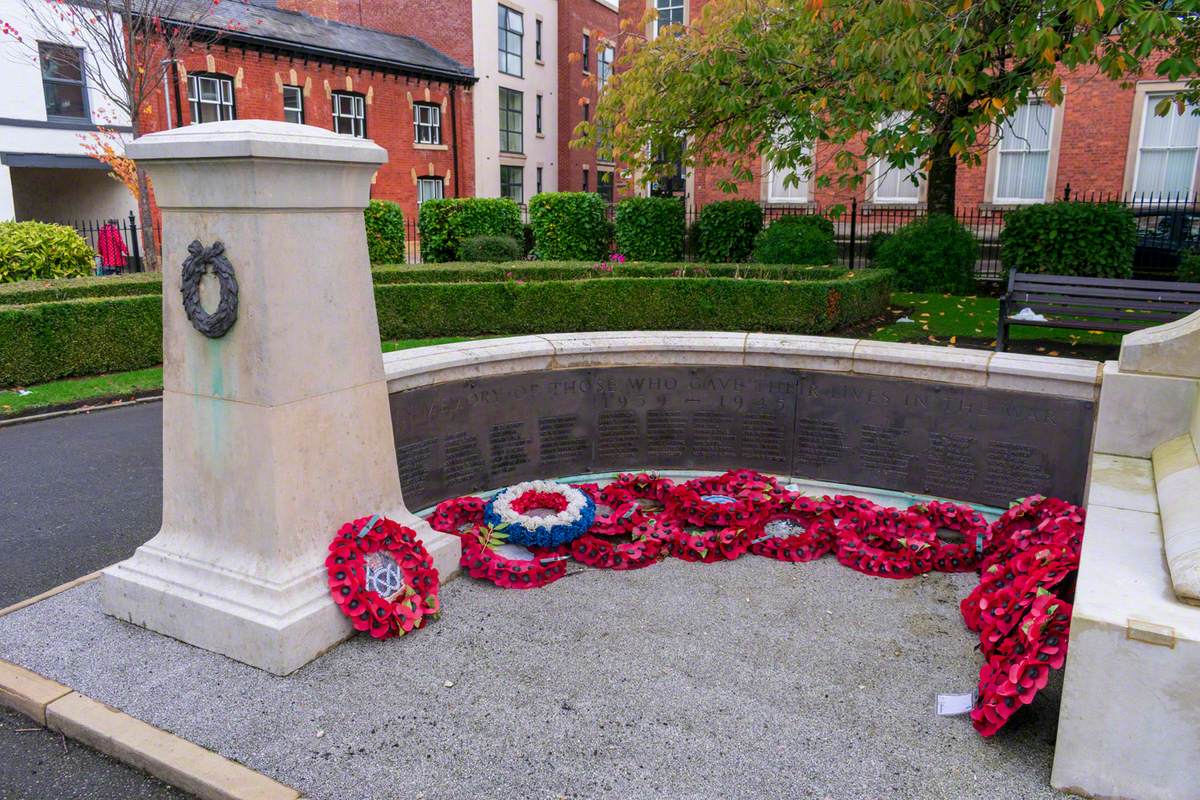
{"type": "Point", "coordinates": [1094, 304]}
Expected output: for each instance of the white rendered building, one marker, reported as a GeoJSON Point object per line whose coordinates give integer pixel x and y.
{"type": "Point", "coordinates": [49, 104]}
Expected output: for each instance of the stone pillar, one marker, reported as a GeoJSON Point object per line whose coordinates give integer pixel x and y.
{"type": "Point", "coordinates": [278, 431]}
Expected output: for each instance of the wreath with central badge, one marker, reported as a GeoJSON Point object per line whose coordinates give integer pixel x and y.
{"type": "Point", "coordinates": [382, 577]}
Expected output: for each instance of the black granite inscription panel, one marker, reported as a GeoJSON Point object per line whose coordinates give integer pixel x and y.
{"type": "Point", "coordinates": [982, 445]}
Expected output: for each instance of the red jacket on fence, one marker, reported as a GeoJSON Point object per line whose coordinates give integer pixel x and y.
{"type": "Point", "coordinates": [111, 246]}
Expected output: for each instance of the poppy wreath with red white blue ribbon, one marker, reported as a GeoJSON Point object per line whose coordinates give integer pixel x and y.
{"type": "Point", "coordinates": [382, 577]}
{"type": "Point", "coordinates": [541, 513]}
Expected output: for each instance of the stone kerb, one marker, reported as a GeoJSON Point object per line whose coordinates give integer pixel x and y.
{"type": "Point", "coordinates": [277, 432]}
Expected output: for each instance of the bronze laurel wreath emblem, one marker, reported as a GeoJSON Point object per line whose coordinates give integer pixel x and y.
{"type": "Point", "coordinates": [200, 258]}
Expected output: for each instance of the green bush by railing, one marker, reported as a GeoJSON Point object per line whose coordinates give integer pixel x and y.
{"type": "Point", "coordinates": [491, 249]}
{"type": "Point", "coordinates": [1095, 240]}
{"type": "Point", "coordinates": [445, 224]}
{"type": "Point", "coordinates": [932, 254]}
{"type": "Point", "coordinates": [56, 338]}
{"type": "Point", "coordinates": [31, 250]}
{"type": "Point", "coordinates": [725, 230]}
{"type": "Point", "coordinates": [385, 231]}
{"type": "Point", "coordinates": [796, 239]}
{"type": "Point", "coordinates": [568, 226]}
{"type": "Point", "coordinates": [650, 228]}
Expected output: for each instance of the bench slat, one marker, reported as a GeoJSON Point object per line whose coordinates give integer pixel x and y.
{"type": "Point", "coordinates": [1105, 303]}
{"type": "Point", "coordinates": [1112, 283]}
{"type": "Point", "coordinates": [1081, 325]}
{"type": "Point", "coordinates": [1132, 294]}
{"type": "Point", "coordinates": [1067, 312]}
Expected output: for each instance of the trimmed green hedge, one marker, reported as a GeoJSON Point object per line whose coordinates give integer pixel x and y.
{"type": "Point", "coordinates": [28, 292]}
{"type": "Point", "coordinates": [931, 254]}
{"type": "Point", "coordinates": [491, 249]}
{"type": "Point", "coordinates": [79, 337]}
{"type": "Point", "coordinates": [419, 310]}
{"type": "Point", "coordinates": [568, 226]}
{"type": "Point", "coordinates": [445, 224]}
{"type": "Point", "coordinates": [650, 228]}
{"type": "Point", "coordinates": [797, 239]}
{"type": "Point", "coordinates": [59, 338]}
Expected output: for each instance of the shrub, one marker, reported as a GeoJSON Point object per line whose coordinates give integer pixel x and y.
{"type": "Point", "coordinates": [385, 232]}
{"type": "Point", "coordinates": [1189, 268]}
{"type": "Point", "coordinates": [57, 338]}
{"type": "Point", "coordinates": [568, 226]}
{"type": "Point", "coordinates": [79, 337]}
{"type": "Point", "coordinates": [620, 303]}
{"type": "Point", "coordinates": [650, 228]}
{"type": "Point", "coordinates": [796, 239]}
{"type": "Point", "coordinates": [932, 254]}
{"type": "Point", "coordinates": [726, 230]}
{"type": "Point", "coordinates": [491, 248]}
{"type": "Point", "coordinates": [30, 250]}
{"type": "Point", "coordinates": [445, 224]}
{"type": "Point", "coordinates": [1070, 238]}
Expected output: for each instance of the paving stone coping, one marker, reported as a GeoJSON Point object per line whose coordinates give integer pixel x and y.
{"type": "Point", "coordinates": [427, 366]}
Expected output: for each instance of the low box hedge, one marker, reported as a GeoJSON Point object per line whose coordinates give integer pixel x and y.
{"type": "Point", "coordinates": [734, 304]}
{"type": "Point", "coordinates": [86, 336]}
{"type": "Point", "coordinates": [48, 337]}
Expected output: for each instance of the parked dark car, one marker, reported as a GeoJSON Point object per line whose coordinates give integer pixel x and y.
{"type": "Point", "coordinates": [1164, 234]}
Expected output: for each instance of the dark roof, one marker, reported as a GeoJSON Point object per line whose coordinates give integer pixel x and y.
{"type": "Point", "coordinates": [260, 25]}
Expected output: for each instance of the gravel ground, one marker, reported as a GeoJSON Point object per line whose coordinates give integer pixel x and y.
{"type": "Point", "coordinates": [752, 679]}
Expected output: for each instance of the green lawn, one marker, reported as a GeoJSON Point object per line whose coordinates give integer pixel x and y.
{"type": "Point", "coordinates": [119, 385]}
{"type": "Point", "coordinates": [944, 319]}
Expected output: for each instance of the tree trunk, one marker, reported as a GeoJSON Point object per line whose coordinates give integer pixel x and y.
{"type": "Point", "coordinates": [146, 221]}
{"type": "Point", "coordinates": [943, 173]}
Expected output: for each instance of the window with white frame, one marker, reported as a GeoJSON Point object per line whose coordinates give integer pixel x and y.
{"type": "Point", "coordinates": [604, 185]}
{"type": "Point", "coordinates": [604, 65]}
{"type": "Point", "coordinates": [293, 104]}
{"type": "Point", "coordinates": [210, 97]}
{"type": "Point", "coordinates": [350, 114]}
{"type": "Point", "coordinates": [788, 184]}
{"type": "Point", "coordinates": [587, 53]}
{"type": "Point", "coordinates": [429, 189]}
{"type": "Point", "coordinates": [1023, 154]}
{"type": "Point", "coordinates": [537, 114]}
{"type": "Point", "coordinates": [427, 123]}
{"type": "Point", "coordinates": [512, 31]}
{"type": "Point", "coordinates": [537, 40]}
{"type": "Point", "coordinates": [1166, 156]}
{"type": "Point", "coordinates": [670, 12]}
{"type": "Point", "coordinates": [538, 189]}
{"type": "Point", "coordinates": [892, 185]}
{"type": "Point", "coordinates": [63, 80]}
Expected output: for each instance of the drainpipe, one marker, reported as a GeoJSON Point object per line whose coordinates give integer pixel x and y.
{"type": "Point", "coordinates": [454, 131]}
{"type": "Point", "coordinates": [175, 83]}
{"type": "Point", "coordinates": [167, 90]}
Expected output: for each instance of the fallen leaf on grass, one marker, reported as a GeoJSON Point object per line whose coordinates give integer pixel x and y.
{"type": "Point", "coordinates": [953, 340]}
{"type": "Point", "coordinates": [1052, 353]}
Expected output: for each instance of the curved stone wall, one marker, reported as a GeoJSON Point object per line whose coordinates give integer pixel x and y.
{"type": "Point", "coordinates": [967, 424]}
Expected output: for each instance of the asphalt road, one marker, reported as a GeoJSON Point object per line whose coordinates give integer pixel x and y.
{"type": "Point", "coordinates": [77, 493]}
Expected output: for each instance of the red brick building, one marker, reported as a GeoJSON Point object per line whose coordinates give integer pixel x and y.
{"type": "Point", "coordinates": [280, 64]}
{"type": "Point", "coordinates": [1103, 139]}
{"type": "Point", "coordinates": [589, 28]}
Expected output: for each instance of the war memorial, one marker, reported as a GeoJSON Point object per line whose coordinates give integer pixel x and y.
{"type": "Point", "coordinates": [749, 557]}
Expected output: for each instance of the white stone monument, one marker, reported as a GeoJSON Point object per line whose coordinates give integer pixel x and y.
{"type": "Point", "coordinates": [1129, 725]}
{"type": "Point", "coordinates": [278, 431]}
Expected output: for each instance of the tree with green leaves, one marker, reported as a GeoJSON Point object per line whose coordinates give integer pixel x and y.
{"type": "Point", "coordinates": [918, 84]}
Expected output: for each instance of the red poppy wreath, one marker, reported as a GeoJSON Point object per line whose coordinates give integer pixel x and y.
{"type": "Point", "coordinates": [797, 529]}
{"type": "Point", "coordinates": [481, 558]}
{"type": "Point", "coordinates": [382, 577]}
